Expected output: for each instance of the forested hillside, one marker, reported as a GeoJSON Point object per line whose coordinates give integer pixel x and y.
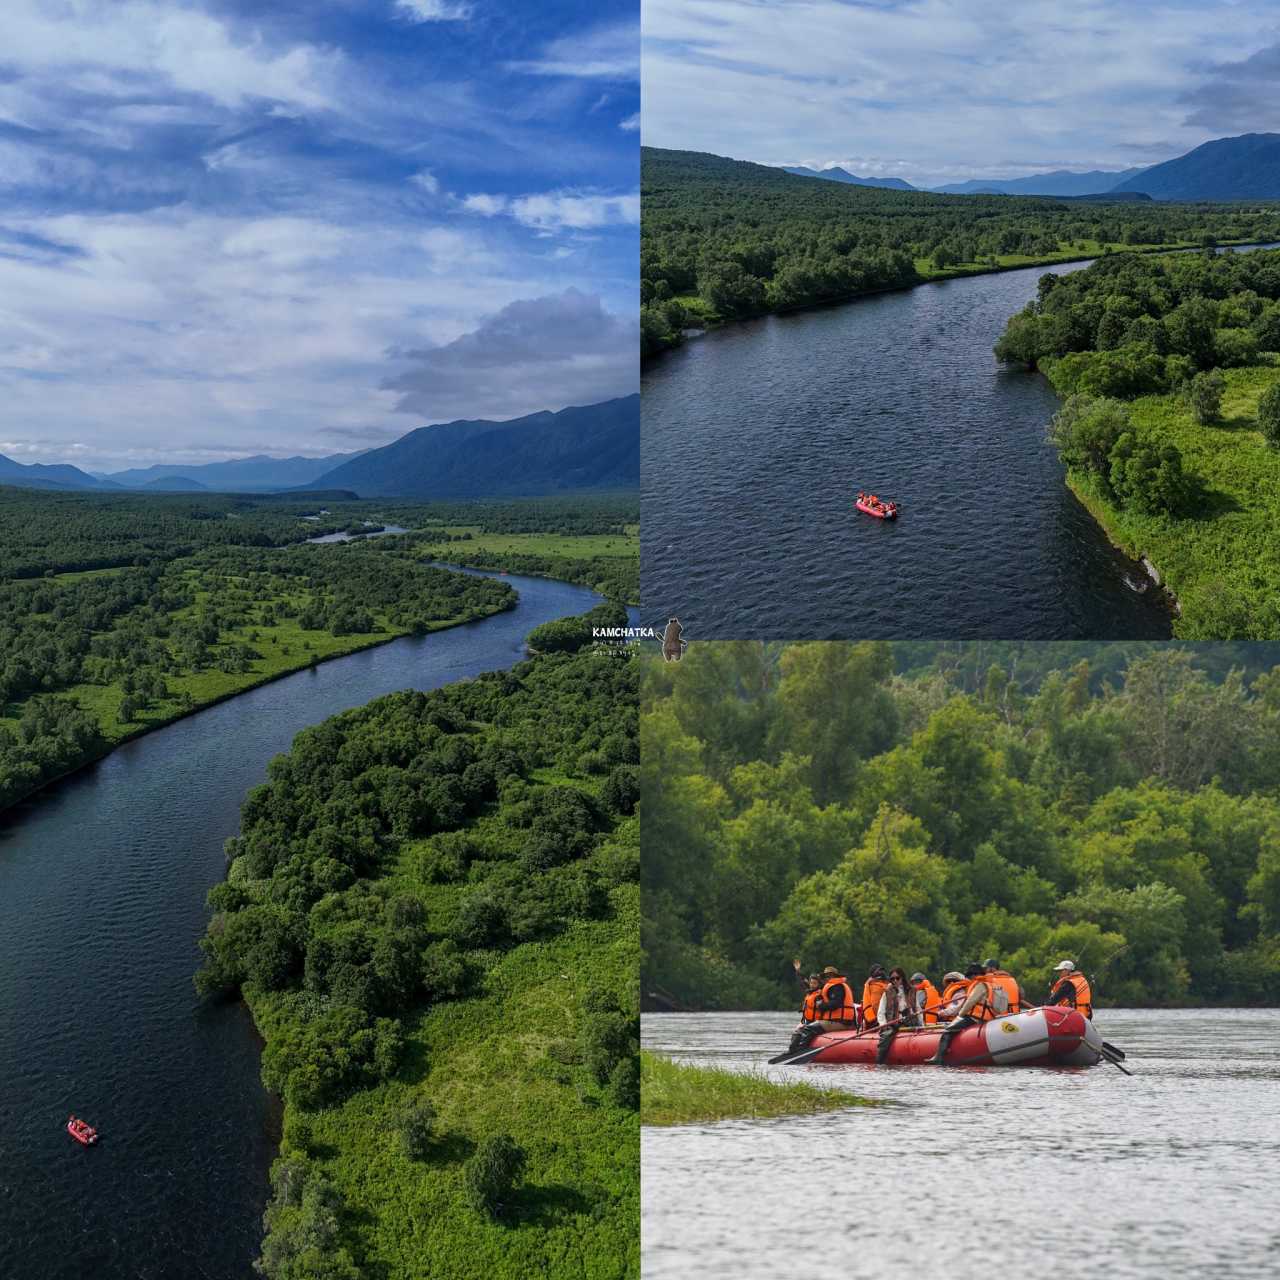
{"type": "Point", "coordinates": [1189, 475]}
{"type": "Point", "coordinates": [723, 238]}
{"type": "Point", "coordinates": [805, 801]}
{"type": "Point", "coordinates": [432, 909]}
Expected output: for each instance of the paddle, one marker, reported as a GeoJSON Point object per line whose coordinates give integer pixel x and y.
{"type": "Point", "coordinates": [800, 1057]}
{"type": "Point", "coordinates": [1110, 1048]}
{"type": "Point", "coordinates": [1111, 1058]}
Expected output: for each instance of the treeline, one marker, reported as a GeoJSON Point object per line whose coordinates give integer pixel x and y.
{"type": "Point", "coordinates": [147, 632]}
{"type": "Point", "coordinates": [805, 800]}
{"type": "Point", "coordinates": [740, 239]}
{"type": "Point", "coordinates": [411, 882]}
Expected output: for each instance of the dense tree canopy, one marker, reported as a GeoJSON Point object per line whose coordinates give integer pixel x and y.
{"type": "Point", "coordinates": [724, 238]}
{"type": "Point", "coordinates": [804, 800]}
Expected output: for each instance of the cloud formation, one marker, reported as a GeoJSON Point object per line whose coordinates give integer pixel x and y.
{"type": "Point", "coordinates": [939, 90]}
{"type": "Point", "coordinates": [537, 353]}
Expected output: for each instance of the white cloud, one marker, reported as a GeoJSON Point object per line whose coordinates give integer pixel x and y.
{"type": "Point", "coordinates": [427, 180]}
{"type": "Point", "coordinates": [561, 210]}
{"type": "Point", "coordinates": [432, 10]}
{"type": "Point", "coordinates": [631, 123]}
{"type": "Point", "coordinates": [605, 53]}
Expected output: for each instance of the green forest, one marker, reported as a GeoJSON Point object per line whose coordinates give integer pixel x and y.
{"type": "Point", "coordinates": [119, 613]}
{"type": "Point", "coordinates": [432, 909]}
{"type": "Point", "coordinates": [1170, 430]}
{"type": "Point", "coordinates": [723, 238]}
{"type": "Point", "coordinates": [849, 804]}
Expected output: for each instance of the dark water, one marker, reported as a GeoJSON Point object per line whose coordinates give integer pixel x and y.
{"type": "Point", "coordinates": [102, 886]}
{"type": "Point", "coordinates": [1006, 1172]}
{"type": "Point", "coordinates": [757, 437]}
{"type": "Point", "coordinates": [344, 536]}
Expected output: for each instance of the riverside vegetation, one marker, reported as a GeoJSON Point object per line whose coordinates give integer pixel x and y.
{"type": "Point", "coordinates": [721, 239]}
{"type": "Point", "coordinates": [119, 613]}
{"type": "Point", "coordinates": [680, 1093]}
{"type": "Point", "coordinates": [811, 800]}
{"type": "Point", "coordinates": [1171, 426]}
{"type": "Point", "coordinates": [432, 910]}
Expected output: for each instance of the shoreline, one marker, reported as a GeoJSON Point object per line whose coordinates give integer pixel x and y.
{"type": "Point", "coordinates": [950, 273]}
{"type": "Point", "coordinates": [256, 683]}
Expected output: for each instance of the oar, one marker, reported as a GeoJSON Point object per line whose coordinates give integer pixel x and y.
{"type": "Point", "coordinates": [802, 1056]}
{"type": "Point", "coordinates": [1111, 1058]}
{"type": "Point", "coordinates": [1110, 1048]}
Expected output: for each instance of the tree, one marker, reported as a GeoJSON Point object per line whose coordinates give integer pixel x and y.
{"type": "Point", "coordinates": [1085, 431]}
{"type": "Point", "coordinates": [417, 1129]}
{"type": "Point", "coordinates": [1205, 396]}
{"type": "Point", "coordinates": [491, 1175]}
{"type": "Point", "coordinates": [1146, 476]}
{"type": "Point", "coordinates": [1269, 415]}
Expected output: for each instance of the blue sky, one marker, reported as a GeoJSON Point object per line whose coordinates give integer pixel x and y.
{"type": "Point", "coordinates": [230, 228]}
{"type": "Point", "coordinates": [937, 91]}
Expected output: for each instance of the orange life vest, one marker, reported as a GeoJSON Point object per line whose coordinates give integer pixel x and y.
{"type": "Point", "coordinates": [953, 989]}
{"type": "Point", "coordinates": [932, 1002]}
{"type": "Point", "coordinates": [1010, 986]}
{"type": "Point", "coordinates": [872, 990]}
{"type": "Point", "coordinates": [1084, 993]}
{"type": "Point", "coordinates": [807, 1011]}
{"type": "Point", "coordinates": [982, 1011]}
{"type": "Point", "coordinates": [846, 1011]}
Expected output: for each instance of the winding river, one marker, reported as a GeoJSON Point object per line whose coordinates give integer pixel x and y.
{"type": "Point", "coordinates": [756, 438]}
{"type": "Point", "coordinates": [980, 1172]}
{"type": "Point", "coordinates": [102, 886]}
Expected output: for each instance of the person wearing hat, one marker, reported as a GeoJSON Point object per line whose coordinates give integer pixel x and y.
{"type": "Point", "coordinates": [955, 986]}
{"type": "Point", "coordinates": [926, 999]}
{"type": "Point", "coordinates": [976, 1008]}
{"type": "Point", "coordinates": [832, 1008]}
{"type": "Point", "coordinates": [872, 990]}
{"type": "Point", "coordinates": [999, 981]}
{"type": "Point", "coordinates": [1072, 988]}
{"type": "Point", "coordinates": [812, 986]}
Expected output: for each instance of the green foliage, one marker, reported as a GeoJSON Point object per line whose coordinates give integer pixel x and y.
{"type": "Point", "coordinates": [568, 635]}
{"type": "Point", "coordinates": [722, 239]}
{"type": "Point", "coordinates": [491, 1174]}
{"type": "Point", "coordinates": [1269, 415]}
{"type": "Point", "coordinates": [1204, 394]}
{"type": "Point", "coordinates": [426, 896]}
{"type": "Point", "coordinates": [1128, 820]}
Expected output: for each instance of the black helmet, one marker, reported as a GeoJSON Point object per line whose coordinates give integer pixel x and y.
{"type": "Point", "coordinates": [877, 971]}
{"type": "Point", "coordinates": [974, 971]}
{"type": "Point", "coordinates": [991, 964]}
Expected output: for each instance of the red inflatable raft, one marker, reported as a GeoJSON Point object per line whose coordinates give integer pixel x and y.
{"type": "Point", "coordinates": [82, 1131]}
{"type": "Point", "coordinates": [877, 507]}
{"type": "Point", "coordinates": [1050, 1037]}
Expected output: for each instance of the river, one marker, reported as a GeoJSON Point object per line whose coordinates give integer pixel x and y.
{"type": "Point", "coordinates": [756, 438]}
{"type": "Point", "coordinates": [102, 886]}
{"type": "Point", "coordinates": [981, 1172]}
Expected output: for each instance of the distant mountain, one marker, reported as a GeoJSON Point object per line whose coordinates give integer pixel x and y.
{"type": "Point", "coordinates": [1243, 168]}
{"type": "Point", "coordinates": [837, 174]}
{"type": "Point", "coordinates": [176, 484]}
{"type": "Point", "coordinates": [593, 446]}
{"type": "Point", "coordinates": [1061, 182]}
{"type": "Point", "coordinates": [257, 474]}
{"type": "Point", "coordinates": [40, 475]}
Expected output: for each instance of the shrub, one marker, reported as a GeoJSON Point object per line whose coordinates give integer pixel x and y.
{"type": "Point", "coordinates": [417, 1129]}
{"type": "Point", "coordinates": [1205, 396]}
{"type": "Point", "coordinates": [1269, 415]}
{"type": "Point", "coordinates": [492, 1173]}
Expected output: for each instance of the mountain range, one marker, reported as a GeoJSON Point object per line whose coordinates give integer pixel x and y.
{"type": "Point", "coordinates": [1246, 167]}
{"type": "Point", "coordinates": [584, 447]}
{"type": "Point", "coordinates": [834, 173]}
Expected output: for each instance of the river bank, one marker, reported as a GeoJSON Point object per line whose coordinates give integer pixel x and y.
{"type": "Point", "coordinates": [709, 320]}
{"type": "Point", "coordinates": [102, 897]}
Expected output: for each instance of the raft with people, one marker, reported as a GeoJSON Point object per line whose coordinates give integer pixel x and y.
{"type": "Point", "coordinates": [875, 506]}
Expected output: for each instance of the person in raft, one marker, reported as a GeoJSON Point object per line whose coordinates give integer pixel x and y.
{"type": "Point", "coordinates": [926, 1000]}
{"type": "Point", "coordinates": [812, 989]}
{"type": "Point", "coordinates": [896, 1009]}
{"type": "Point", "coordinates": [1015, 998]}
{"type": "Point", "coordinates": [831, 1008]}
{"type": "Point", "coordinates": [872, 990]}
{"type": "Point", "coordinates": [983, 1000]}
{"type": "Point", "coordinates": [1072, 988]}
{"type": "Point", "coordinates": [955, 986]}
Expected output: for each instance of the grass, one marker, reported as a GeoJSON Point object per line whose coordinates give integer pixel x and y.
{"type": "Point", "coordinates": [1221, 562]}
{"type": "Point", "coordinates": [608, 563]}
{"type": "Point", "coordinates": [501, 1061]}
{"type": "Point", "coordinates": [676, 1093]}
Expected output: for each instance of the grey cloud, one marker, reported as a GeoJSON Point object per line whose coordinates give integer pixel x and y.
{"type": "Point", "coordinates": [364, 434]}
{"type": "Point", "coordinates": [537, 353]}
{"type": "Point", "coordinates": [1238, 97]}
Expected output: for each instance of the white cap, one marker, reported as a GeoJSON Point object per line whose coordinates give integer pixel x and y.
{"type": "Point", "coordinates": [1066, 964]}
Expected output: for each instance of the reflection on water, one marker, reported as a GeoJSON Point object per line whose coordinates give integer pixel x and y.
{"type": "Point", "coordinates": [1015, 1172]}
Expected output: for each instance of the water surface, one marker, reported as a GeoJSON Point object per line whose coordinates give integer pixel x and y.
{"type": "Point", "coordinates": [102, 886]}
{"type": "Point", "coordinates": [1077, 1171]}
